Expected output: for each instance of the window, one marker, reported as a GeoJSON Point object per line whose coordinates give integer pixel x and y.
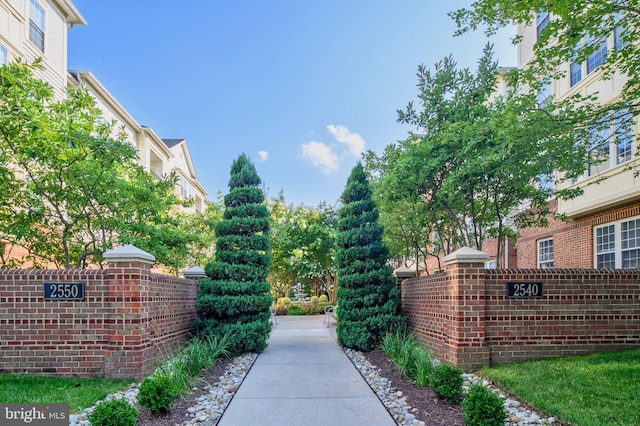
{"type": "Point", "coordinates": [4, 57]}
{"type": "Point", "coordinates": [36, 24]}
{"type": "Point", "coordinates": [599, 55]}
{"type": "Point", "coordinates": [623, 136]}
{"type": "Point", "coordinates": [182, 187]}
{"type": "Point", "coordinates": [545, 253]}
{"type": "Point", "coordinates": [618, 39]}
{"type": "Point", "coordinates": [606, 247]}
{"type": "Point", "coordinates": [612, 144]}
{"type": "Point", "coordinates": [544, 93]}
{"type": "Point", "coordinates": [630, 244]}
{"type": "Point", "coordinates": [575, 73]}
{"type": "Point", "coordinates": [542, 20]}
{"type": "Point", "coordinates": [490, 264]}
{"type": "Point", "coordinates": [599, 152]}
{"type": "Point", "coordinates": [626, 254]}
{"type": "Point", "coordinates": [546, 182]}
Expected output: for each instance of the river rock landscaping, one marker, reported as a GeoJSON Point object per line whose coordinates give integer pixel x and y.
{"type": "Point", "coordinates": [408, 403]}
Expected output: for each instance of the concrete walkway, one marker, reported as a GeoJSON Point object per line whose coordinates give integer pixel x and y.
{"type": "Point", "coordinates": [304, 378]}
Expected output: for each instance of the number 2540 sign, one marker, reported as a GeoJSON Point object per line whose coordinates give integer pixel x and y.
{"type": "Point", "coordinates": [524, 289]}
{"type": "Point", "coordinates": [63, 291]}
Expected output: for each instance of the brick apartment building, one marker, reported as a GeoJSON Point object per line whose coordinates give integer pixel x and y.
{"type": "Point", "coordinates": [604, 223]}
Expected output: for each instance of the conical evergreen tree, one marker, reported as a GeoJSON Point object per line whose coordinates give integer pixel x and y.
{"type": "Point", "coordinates": [369, 303]}
{"type": "Point", "coordinates": [235, 300]}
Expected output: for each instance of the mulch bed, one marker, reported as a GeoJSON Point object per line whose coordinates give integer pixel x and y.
{"type": "Point", "coordinates": [430, 409]}
{"type": "Point", "coordinates": [179, 408]}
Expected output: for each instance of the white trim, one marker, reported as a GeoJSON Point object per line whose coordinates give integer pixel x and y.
{"type": "Point", "coordinates": [539, 262]}
{"type": "Point", "coordinates": [617, 250]}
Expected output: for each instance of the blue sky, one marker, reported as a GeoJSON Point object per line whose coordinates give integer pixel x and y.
{"type": "Point", "coordinates": [301, 87]}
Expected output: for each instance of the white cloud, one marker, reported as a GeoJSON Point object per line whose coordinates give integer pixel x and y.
{"type": "Point", "coordinates": [322, 156]}
{"type": "Point", "coordinates": [329, 157]}
{"type": "Point", "coordinates": [263, 156]}
{"type": "Point", "coordinates": [354, 141]}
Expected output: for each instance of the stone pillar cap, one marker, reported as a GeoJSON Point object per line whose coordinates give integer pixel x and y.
{"type": "Point", "coordinates": [128, 253]}
{"type": "Point", "coordinates": [404, 272]}
{"type": "Point", "coordinates": [194, 272]}
{"type": "Point", "coordinates": [466, 255]}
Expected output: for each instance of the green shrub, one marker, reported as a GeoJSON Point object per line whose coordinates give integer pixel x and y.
{"type": "Point", "coordinates": [370, 303]}
{"type": "Point", "coordinates": [481, 407]}
{"type": "Point", "coordinates": [446, 382]}
{"type": "Point", "coordinates": [115, 412]}
{"type": "Point", "coordinates": [314, 309]}
{"type": "Point", "coordinates": [234, 298]}
{"type": "Point", "coordinates": [295, 310]}
{"type": "Point", "coordinates": [314, 300]}
{"type": "Point", "coordinates": [157, 393]}
{"type": "Point", "coordinates": [323, 298]}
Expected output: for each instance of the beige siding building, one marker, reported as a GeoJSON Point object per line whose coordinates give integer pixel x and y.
{"type": "Point", "coordinates": [187, 185]}
{"type": "Point", "coordinates": [605, 220]}
{"type": "Point", "coordinates": [31, 29]}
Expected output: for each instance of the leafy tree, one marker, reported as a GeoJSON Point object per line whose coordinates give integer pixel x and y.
{"type": "Point", "coordinates": [565, 38]}
{"type": "Point", "coordinates": [318, 250]}
{"type": "Point", "coordinates": [409, 225]}
{"type": "Point", "coordinates": [235, 300]}
{"type": "Point", "coordinates": [72, 187]}
{"type": "Point", "coordinates": [475, 160]}
{"type": "Point", "coordinates": [197, 231]}
{"type": "Point", "coordinates": [367, 295]}
{"type": "Point", "coordinates": [303, 250]}
{"type": "Point", "coordinates": [285, 266]}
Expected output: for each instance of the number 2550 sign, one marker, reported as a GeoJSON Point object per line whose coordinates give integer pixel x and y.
{"type": "Point", "coordinates": [63, 291]}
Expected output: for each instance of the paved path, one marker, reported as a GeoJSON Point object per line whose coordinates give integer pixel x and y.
{"type": "Point", "coordinates": [304, 378]}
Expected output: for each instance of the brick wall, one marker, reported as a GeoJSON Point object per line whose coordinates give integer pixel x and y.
{"type": "Point", "coordinates": [465, 317]}
{"type": "Point", "coordinates": [581, 311]}
{"type": "Point", "coordinates": [127, 320]}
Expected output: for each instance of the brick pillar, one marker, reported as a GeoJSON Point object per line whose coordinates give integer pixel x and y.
{"type": "Point", "coordinates": [466, 275]}
{"type": "Point", "coordinates": [402, 273]}
{"type": "Point", "coordinates": [129, 353]}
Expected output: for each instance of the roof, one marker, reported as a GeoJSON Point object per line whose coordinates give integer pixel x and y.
{"type": "Point", "coordinates": [170, 143]}
{"type": "Point", "coordinates": [71, 14]}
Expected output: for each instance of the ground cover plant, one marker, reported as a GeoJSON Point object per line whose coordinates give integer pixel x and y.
{"type": "Point", "coordinates": [593, 390]}
{"type": "Point", "coordinates": [78, 393]}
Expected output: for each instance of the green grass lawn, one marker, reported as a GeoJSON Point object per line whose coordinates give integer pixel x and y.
{"type": "Point", "coordinates": [78, 393]}
{"type": "Point", "coordinates": [594, 390]}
